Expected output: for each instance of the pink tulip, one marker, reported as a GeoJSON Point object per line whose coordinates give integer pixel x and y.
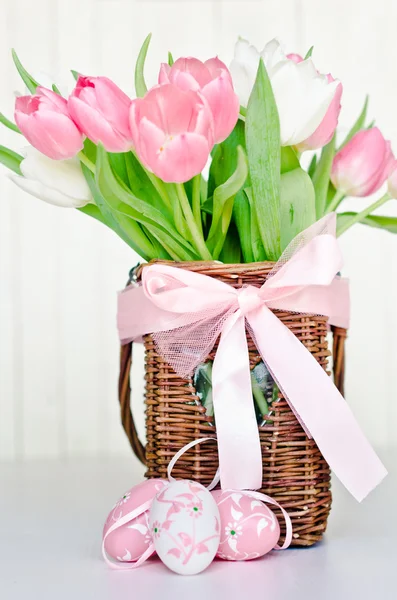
{"type": "Point", "coordinates": [213, 80]}
{"type": "Point", "coordinates": [172, 131]}
{"type": "Point", "coordinates": [101, 110]}
{"type": "Point", "coordinates": [325, 131]}
{"type": "Point", "coordinates": [45, 122]}
{"type": "Point", "coordinates": [362, 166]}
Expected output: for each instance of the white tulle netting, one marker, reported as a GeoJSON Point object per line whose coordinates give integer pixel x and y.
{"type": "Point", "coordinates": [190, 343]}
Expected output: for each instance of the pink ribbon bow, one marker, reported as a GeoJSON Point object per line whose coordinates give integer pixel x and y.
{"type": "Point", "coordinates": [187, 311]}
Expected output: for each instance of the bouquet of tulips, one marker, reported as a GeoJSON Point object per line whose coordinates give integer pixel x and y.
{"type": "Point", "coordinates": [206, 164]}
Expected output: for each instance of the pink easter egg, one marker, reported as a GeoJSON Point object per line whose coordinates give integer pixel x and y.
{"type": "Point", "coordinates": [249, 529]}
{"type": "Point", "coordinates": [131, 540]}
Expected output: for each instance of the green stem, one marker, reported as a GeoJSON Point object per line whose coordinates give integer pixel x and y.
{"type": "Point", "coordinates": [86, 161]}
{"type": "Point", "coordinates": [197, 237]}
{"type": "Point", "coordinates": [259, 396]}
{"type": "Point", "coordinates": [364, 213]}
{"type": "Point", "coordinates": [196, 202]}
{"type": "Point", "coordinates": [160, 188]}
{"type": "Point", "coordinates": [336, 200]}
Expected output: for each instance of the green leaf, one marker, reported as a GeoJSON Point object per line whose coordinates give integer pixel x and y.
{"type": "Point", "coordinates": [321, 177]}
{"type": "Point", "coordinates": [231, 251]}
{"type": "Point", "coordinates": [93, 211]}
{"type": "Point", "coordinates": [256, 240]}
{"type": "Point", "coordinates": [8, 123]}
{"type": "Point", "coordinates": [224, 158]}
{"type": "Point", "coordinates": [297, 203]}
{"type": "Point", "coordinates": [309, 53]}
{"type": "Point", "coordinates": [28, 80]}
{"type": "Point", "coordinates": [289, 159]}
{"type": "Point", "coordinates": [359, 124]}
{"type": "Point", "coordinates": [223, 200]}
{"type": "Point", "coordinates": [11, 159]}
{"type": "Point", "coordinates": [140, 85]}
{"type": "Point", "coordinates": [378, 221]}
{"type": "Point", "coordinates": [117, 162]}
{"type": "Point", "coordinates": [242, 219]}
{"type": "Point", "coordinates": [75, 74]}
{"type": "Point", "coordinates": [56, 90]}
{"type": "Point", "coordinates": [312, 166]}
{"type": "Point", "coordinates": [90, 150]}
{"type": "Point", "coordinates": [262, 132]}
{"type": "Point", "coordinates": [127, 229]}
{"type": "Point", "coordinates": [122, 200]}
{"type": "Point", "coordinates": [202, 380]}
{"type": "Point", "coordinates": [170, 59]}
{"type": "Point", "coordinates": [140, 183]}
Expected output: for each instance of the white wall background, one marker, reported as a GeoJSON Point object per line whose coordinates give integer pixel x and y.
{"type": "Point", "coordinates": [59, 271]}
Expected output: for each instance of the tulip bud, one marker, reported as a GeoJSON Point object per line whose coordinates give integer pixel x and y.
{"type": "Point", "coordinates": [45, 122]}
{"type": "Point", "coordinates": [101, 110]}
{"type": "Point", "coordinates": [172, 131]}
{"type": "Point", "coordinates": [213, 80]}
{"type": "Point", "coordinates": [363, 165]}
{"type": "Point", "coordinates": [58, 182]}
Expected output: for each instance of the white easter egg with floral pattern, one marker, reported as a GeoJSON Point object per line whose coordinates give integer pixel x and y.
{"type": "Point", "coordinates": [185, 527]}
{"type": "Point", "coordinates": [249, 529]}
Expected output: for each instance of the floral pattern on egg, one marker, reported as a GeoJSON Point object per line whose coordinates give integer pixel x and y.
{"type": "Point", "coordinates": [185, 526]}
{"type": "Point", "coordinates": [249, 529]}
{"type": "Point", "coordinates": [131, 540]}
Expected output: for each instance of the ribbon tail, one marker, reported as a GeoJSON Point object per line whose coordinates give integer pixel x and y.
{"type": "Point", "coordinates": [240, 457]}
{"type": "Point", "coordinates": [317, 402]}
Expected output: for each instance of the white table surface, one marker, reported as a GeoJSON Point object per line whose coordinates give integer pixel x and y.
{"type": "Point", "coordinates": [52, 513]}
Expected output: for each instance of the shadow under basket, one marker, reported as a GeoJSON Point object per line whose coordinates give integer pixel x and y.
{"type": "Point", "coordinates": [294, 470]}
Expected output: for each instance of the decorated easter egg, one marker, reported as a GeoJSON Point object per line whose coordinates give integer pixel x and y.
{"type": "Point", "coordinates": [184, 523]}
{"type": "Point", "coordinates": [129, 541]}
{"type": "Point", "coordinates": [249, 528]}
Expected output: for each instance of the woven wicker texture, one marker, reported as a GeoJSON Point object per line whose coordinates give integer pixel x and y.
{"type": "Point", "coordinates": [294, 471]}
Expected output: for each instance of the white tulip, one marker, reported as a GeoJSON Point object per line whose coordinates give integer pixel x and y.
{"type": "Point", "coordinates": [58, 182]}
{"type": "Point", "coordinates": [302, 94]}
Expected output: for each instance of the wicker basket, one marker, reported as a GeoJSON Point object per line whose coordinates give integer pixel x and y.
{"type": "Point", "coordinates": [294, 471]}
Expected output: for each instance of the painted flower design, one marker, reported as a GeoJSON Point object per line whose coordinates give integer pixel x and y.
{"type": "Point", "coordinates": [124, 498]}
{"type": "Point", "coordinates": [194, 509]}
{"type": "Point", "coordinates": [156, 529]}
{"type": "Point", "coordinates": [233, 530]}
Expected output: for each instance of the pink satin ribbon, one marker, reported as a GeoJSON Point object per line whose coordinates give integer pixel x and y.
{"type": "Point", "coordinates": [187, 311]}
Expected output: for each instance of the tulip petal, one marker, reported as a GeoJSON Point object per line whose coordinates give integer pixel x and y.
{"type": "Point", "coordinates": [185, 81]}
{"type": "Point", "coordinates": [272, 54]}
{"type": "Point", "coordinates": [56, 100]}
{"type": "Point", "coordinates": [164, 74]}
{"type": "Point", "coordinates": [95, 126]}
{"type": "Point", "coordinates": [224, 105]}
{"type": "Point", "coordinates": [243, 81]}
{"type": "Point", "coordinates": [114, 104]}
{"type": "Point", "coordinates": [303, 97]}
{"type": "Point", "coordinates": [178, 159]}
{"type": "Point", "coordinates": [172, 110]}
{"type": "Point", "coordinates": [193, 67]}
{"type": "Point", "coordinates": [326, 129]}
{"type": "Point", "coordinates": [216, 68]}
{"type": "Point", "coordinates": [35, 188]}
{"type": "Point", "coordinates": [64, 176]}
